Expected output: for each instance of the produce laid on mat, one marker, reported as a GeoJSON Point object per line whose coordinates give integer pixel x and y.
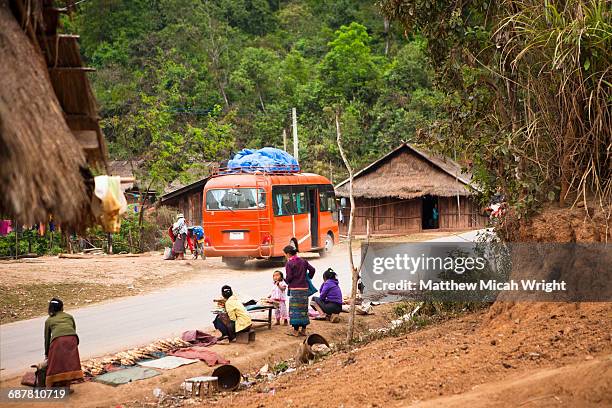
{"type": "Point", "coordinates": [130, 357]}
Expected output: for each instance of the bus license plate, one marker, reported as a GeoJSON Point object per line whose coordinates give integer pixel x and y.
{"type": "Point", "coordinates": [236, 235]}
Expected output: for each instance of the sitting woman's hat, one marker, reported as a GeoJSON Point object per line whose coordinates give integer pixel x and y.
{"type": "Point", "coordinates": [180, 215]}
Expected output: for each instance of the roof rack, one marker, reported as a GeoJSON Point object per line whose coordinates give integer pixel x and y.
{"type": "Point", "coordinates": [279, 169]}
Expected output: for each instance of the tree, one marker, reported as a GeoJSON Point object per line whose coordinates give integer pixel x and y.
{"type": "Point", "coordinates": [257, 74]}
{"type": "Point", "coordinates": [349, 70]}
{"type": "Point", "coordinates": [525, 93]}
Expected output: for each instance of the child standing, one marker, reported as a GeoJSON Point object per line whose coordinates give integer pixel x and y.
{"type": "Point", "coordinates": [279, 295]}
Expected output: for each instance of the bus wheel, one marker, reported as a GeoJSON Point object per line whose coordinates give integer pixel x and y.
{"type": "Point", "coordinates": [329, 245]}
{"type": "Point", "coordinates": [232, 262]}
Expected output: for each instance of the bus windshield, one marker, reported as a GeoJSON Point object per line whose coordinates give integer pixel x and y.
{"type": "Point", "coordinates": [235, 199]}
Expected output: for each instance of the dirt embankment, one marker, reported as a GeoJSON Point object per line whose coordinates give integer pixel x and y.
{"type": "Point", "coordinates": [585, 224]}
{"type": "Point", "coordinates": [514, 354]}
{"type": "Point", "coordinates": [456, 357]}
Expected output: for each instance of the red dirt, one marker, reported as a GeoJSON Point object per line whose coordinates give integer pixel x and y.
{"type": "Point", "coordinates": [514, 354]}
{"type": "Point", "coordinates": [457, 356]}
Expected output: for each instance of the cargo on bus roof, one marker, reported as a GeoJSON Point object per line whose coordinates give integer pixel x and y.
{"type": "Point", "coordinates": [268, 159]}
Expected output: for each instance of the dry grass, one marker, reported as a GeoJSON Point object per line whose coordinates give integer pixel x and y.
{"type": "Point", "coordinates": [31, 300]}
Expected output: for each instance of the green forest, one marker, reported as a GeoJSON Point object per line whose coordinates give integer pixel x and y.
{"type": "Point", "coordinates": [190, 81]}
{"type": "Point", "coordinates": [517, 91]}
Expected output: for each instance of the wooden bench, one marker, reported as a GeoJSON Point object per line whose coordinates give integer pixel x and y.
{"type": "Point", "coordinates": [245, 337]}
{"type": "Point", "coordinates": [259, 308]}
{"type": "Point", "coordinates": [196, 385]}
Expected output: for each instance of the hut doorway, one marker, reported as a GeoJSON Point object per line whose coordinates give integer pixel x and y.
{"type": "Point", "coordinates": [431, 213]}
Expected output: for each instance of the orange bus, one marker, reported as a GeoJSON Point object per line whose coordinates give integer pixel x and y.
{"type": "Point", "coordinates": [255, 215]}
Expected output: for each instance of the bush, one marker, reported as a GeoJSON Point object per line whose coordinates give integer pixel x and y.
{"type": "Point", "coordinates": [31, 242]}
{"type": "Point", "coordinates": [128, 239]}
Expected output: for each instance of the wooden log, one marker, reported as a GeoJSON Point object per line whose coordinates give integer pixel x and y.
{"type": "Point", "coordinates": [66, 69]}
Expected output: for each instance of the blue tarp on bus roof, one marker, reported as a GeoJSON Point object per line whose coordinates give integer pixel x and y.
{"type": "Point", "coordinates": [266, 159]}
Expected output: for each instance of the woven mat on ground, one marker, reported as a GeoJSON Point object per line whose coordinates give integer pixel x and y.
{"type": "Point", "coordinates": [167, 363]}
{"type": "Point", "coordinates": [126, 376]}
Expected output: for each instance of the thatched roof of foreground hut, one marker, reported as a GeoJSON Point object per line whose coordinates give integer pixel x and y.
{"type": "Point", "coordinates": [49, 133]}
{"type": "Point", "coordinates": [408, 172]}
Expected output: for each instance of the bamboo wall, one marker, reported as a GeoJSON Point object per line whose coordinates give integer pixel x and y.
{"type": "Point", "coordinates": [395, 216]}
{"type": "Point", "coordinates": [190, 204]}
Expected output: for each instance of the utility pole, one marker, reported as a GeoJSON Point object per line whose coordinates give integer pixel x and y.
{"type": "Point", "coordinates": [295, 135]}
{"type": "Point", "coordinates": [284, 139]}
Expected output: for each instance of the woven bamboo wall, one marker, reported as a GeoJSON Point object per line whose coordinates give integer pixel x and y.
{"type": "Point", "coordinates": [395, 216]}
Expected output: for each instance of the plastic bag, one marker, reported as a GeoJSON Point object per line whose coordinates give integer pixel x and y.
{"type": "Point", "coordinates": [109, 202]}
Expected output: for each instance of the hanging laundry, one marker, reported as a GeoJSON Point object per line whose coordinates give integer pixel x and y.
{"type": "Point", "coordinates": [109, 202]}
{"type": "Point", "coordinates": [51, 224]}
{"type": "Point", "coordinates": [5, 227]}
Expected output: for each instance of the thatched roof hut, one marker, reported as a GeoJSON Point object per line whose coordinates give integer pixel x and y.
{"type": "Point", "coordinates": [411, 190]}
{"type": "Point", "coordinates": [408, 172]}
{"type": "Point", "coordinates": [49, 132]}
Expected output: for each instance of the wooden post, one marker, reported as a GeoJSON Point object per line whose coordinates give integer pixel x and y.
{"type": "Point", "coordinates": [110, 243]}
{"type": "Point", "coordinates": [458, 201]}
{"type": "Point", "coordinates": [295, 134]}
{"type": "Point", "coordinates": [16, 239]}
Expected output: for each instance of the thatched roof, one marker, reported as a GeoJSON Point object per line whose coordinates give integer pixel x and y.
{"type": "Point", "coordinates": [123, 168]}
{"type": "Point", "coordinates": [49, 129]}
{"type": "Point", "coordinates": [408, 172]}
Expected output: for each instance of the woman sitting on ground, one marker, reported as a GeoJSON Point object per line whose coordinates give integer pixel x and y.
{"type": "Point", "coordinates": [61, 347]}
{"type": "Point", "coordinates": [296, 271]}
{"type": "Point", "coordinates": [329, 303]}
{"type": "Point", "coordinates": [235, 319]}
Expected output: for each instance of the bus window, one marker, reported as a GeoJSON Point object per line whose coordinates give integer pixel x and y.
{"type": "Point", "coordinates": [298, 196]}
{"type": "Point", "coordinates": [282, 202]}
{"type": "Point", "coordinates": [235, 199]}
{"type": "Point", "coordinates": [261, 198]}
{"type": "Point", "coordinates": [327, 198]}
